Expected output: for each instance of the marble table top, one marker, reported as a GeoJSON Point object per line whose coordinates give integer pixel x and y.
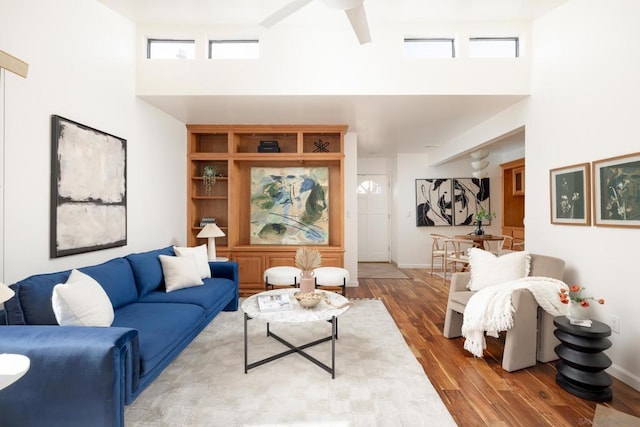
{"type": "Point", "coordinates": [332, 305]}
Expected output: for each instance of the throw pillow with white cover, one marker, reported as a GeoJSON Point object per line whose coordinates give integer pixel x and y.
{"type": "Point", "coordinates": [81, 301]}
{"type": "Point", "coordinates": [488, 269]}
{"type": "Point", "coordinates": [200, 254]}
{"type": "Point", "coordinates": [180, 272]}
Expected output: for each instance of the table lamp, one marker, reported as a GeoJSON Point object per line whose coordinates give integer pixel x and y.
{"type": "Point", "coordinates": [211, 231]}
{"type": "Point", "coordinates": [12, 366]}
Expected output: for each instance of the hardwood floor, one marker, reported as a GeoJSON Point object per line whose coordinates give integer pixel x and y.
{"type": "Point", "coordinates": [477, 391]}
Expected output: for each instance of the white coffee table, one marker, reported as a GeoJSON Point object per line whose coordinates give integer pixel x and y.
{"type": "Point", "coordinates": [327, 310]}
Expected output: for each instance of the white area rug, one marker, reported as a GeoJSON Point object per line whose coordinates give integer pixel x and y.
{"type": "Point", "coordinates": [378, 380]}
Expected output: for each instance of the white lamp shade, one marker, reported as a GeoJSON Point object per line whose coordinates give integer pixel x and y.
{"type": "Point", "coordinates": [5, 293]}
{"type": "Point", "coordinates": [479, 165]}
{"type": "Point", "coordinates": [479, 174]}
{"type": "Point", "coordinates": [480, 154]}
{"type": "Point", "coordinates": [210, 230]}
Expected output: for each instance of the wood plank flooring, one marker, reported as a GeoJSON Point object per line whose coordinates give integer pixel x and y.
{"type": "Point", "coordinates": [477, 391]}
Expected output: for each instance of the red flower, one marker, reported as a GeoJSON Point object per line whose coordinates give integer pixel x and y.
{"type": "Point", "coordinates": [574, 288]}
{"type": "Point", "coordinates": [584, 303]}
{"type": "Point", "coordinates": [601, 301]}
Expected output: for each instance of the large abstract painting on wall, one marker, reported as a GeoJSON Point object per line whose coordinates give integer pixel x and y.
{"type": "Point", "coordinates": [433, 202]}
{"type": "Point", "coordinates": [289, 206]}
{"type": "Point", "coordinates": [88, 189]}
{"type": "Point", "coordinates": [470, 195]}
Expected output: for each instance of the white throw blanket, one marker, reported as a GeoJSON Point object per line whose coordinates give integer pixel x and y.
{"type": "Point", "coordinates": [490, 310]}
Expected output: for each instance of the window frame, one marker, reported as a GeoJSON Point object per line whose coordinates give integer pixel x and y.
{"type": "Point", "coordinates": [150, 41]}
{"type": "Point", "coordinates": [515, 39]}
{"type": "Point", "coordinates": [451, 40]}
{"type": "Point", "coordinates": [212, 42]}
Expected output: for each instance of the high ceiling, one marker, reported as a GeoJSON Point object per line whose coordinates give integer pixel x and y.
{"type": "Point", "coordinates": [385, 124]}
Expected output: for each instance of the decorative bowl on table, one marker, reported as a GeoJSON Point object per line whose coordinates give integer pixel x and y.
{"type": "Point", "coordinates": [308, 299]}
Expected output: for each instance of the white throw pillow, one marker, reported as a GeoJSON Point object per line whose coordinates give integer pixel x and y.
{"type": "Point", "coordinates": [180, 272]}
{"type": "Point", "coordinates": [81, 301]}
{"type": "Point", "coordinates": [201, 256]}
{"type": "Point", "coordinates": [488, 269]}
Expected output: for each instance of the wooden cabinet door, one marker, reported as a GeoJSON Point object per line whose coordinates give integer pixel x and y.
{"type": "Point", "coordinates": [250, 270]}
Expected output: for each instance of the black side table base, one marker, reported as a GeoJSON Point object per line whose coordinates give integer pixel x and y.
{"type": "Point", "coordinates": [581, 368]}
{"type": "Point", "coordinates": [605, 395]}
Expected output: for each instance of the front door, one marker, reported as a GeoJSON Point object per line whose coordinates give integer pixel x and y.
{"type": "Point", "coordinates": [373, 218]}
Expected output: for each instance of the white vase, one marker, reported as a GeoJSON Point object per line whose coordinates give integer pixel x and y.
{"type": "Point", "coordinates": [576, 311]}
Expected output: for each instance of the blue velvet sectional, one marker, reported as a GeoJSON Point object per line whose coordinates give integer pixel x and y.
{"type": "Point", "coordinates": [84, 376]}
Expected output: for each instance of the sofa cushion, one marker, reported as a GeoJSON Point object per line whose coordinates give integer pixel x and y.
{"type": "Point", "coordinates": [81, 301]}
{"type": "Point", "coordinates": [488, 269]}
{"type": "Point", "coordinates": [200, 254]}
{"type": "Point", "coordinates": [32, 303]}
{"type": "Point", "coordinates": [210, 296]}
{"type": "Point", "coordinates": [161, 328]}
{"type": "Point", "coordinates": [117, 280]}
{"type": "Point", "coordinates": [179, 272]}
{"type": "Point", "coordinates": [147, 269]}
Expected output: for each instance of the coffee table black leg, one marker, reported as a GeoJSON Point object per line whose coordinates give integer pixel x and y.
{"type": "Point", "coordinates": [295, 349]}
{"type": "Point", "coordinates": [245, 343]}
{"type": "Point", "coordinates": [334, 335]}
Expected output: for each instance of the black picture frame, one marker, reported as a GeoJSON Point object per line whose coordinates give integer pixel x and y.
{"type": "Point", "coordinates": [470, 196]}
{"type": "Point", "coordinates": [88, 189]}
{"type": "Point", "coordinates": [434, 202]}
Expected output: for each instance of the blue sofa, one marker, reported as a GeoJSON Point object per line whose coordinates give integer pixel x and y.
{"type": "Point", "coordinates": [84, 376]}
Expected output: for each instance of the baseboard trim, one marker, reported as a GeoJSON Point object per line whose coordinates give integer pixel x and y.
{"type": "Point", "coordinates": [625, 376]}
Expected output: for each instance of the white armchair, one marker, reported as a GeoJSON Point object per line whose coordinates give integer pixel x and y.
{"type": "Point", "coordinates": [531, 339]}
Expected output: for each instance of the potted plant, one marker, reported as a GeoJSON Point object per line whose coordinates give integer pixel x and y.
{"type": "Point", "coordinates": [208, 178]}
{"type": "Point", "coordinates": [480, 216]}
{"type": "Point", "coordinates": [307, 260]}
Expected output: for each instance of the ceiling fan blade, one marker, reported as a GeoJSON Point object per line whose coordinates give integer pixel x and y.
{"type": "Point", "coordinates": [358, 19]}
{"type": "Point", "coordinates": [286, 10]}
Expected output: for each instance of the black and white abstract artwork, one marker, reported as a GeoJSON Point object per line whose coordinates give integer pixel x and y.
{"type": "Point", "coordinates": [88, 189]}
{"type": "Point", "coordinates": [470, 195]}
{"type": "Point", "coordinates": [433, 202]}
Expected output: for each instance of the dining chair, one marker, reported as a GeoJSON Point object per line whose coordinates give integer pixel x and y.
{"type": "Point", "coordinates": [456, 255]}
{"type": "Point", "coordinates": [438, 250]}
{"type": "Point", "coordinates": [498, 247]}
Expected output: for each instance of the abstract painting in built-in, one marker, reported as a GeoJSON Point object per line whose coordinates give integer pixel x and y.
{"type": "Point", "coordinates": [289, 206]}
{"type": "Point", "coordinates": [88, 189]}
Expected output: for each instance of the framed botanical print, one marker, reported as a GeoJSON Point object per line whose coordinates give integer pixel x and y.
{"type": "Point", "coordinates": [616, 187]}
{"type": "Point", "coordinates": [570, 195]}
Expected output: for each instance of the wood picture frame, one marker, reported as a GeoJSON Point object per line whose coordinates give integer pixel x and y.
{"type": "Point", "coordinates": [88, 189]}
{"type": "Point", "coordinates": [570, 194]}
{"type": "Point", "coordinates": [616, 189]}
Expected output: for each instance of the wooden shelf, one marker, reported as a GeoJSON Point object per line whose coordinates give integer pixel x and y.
{"type": "Point", "coordinates": [233, 150]}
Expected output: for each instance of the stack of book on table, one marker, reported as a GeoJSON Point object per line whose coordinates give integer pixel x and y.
{"type": "Point", "coordinates": [277, 302]}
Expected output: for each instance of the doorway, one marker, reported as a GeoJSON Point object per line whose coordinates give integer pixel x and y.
{"type": "Point", "coordinates": [373, 218]}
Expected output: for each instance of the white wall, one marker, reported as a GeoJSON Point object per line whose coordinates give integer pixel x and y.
{"type": "Point", "coordinates": [82, 67]}
{"type": "Point", "coordinates": [324, 61]}
{"type": "Point", "coordinates": [414, 243]}
{"type": "Point", "coordinates": [584, 107]}
{"type": "Point", "coordinates": [351, 207]}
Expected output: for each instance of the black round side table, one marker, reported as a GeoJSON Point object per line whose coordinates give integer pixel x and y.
{"type": "Point", "coordinates": [582, 363]}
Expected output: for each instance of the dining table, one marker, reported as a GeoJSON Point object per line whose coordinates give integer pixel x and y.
{"type": "Point", "coordinates": [480, 239]}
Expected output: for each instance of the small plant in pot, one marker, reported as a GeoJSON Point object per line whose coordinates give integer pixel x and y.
{"type": "Point", "coordinates": [482, 215]}
{"type": "Point", "coordinates": [307, 260]}
{"type": "Point", "coordinates": [208, 178]}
